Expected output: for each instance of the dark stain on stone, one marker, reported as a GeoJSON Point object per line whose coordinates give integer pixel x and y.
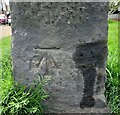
{"type": "Point", "coordinates": [87, 102]}
{"type": "Point", "coordinates": [89, 75]}
{"type": "Point", "coordinates": [87, 57]}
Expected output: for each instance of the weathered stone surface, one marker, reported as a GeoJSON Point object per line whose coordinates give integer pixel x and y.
{"type": "Point", "coordinates": [68, 43]}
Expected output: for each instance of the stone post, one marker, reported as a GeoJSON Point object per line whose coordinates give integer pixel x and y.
{"type": "Point", "coordinates": [66, 41]}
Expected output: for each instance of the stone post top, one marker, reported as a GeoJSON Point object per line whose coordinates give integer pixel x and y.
{"type": "Point", "coordinates": [58, 0]}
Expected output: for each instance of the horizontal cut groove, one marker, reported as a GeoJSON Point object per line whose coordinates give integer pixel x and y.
{"type": "Point", "coordinates": [50, 48]}
{"type": "Point", "coordinates": [47, 48]}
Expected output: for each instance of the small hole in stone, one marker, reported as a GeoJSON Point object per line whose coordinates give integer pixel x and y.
{"type": "Point", "coordinates": [71, 12]}
{"type": "Point", "coordinates": [72, 7]}
{"type": "Point", "coordinates": [93, 56]}
{"type": "Point", "coordinates": [33, 12]}
{"type": "Point", "coordinates": [24, 5]}
{"type": "Point", "coordinates": [73, 16]}
{"type": "Point", "coordinates": [46, 22]}
{"type": "Point", "coordinates": [52, 21]}
{"type": "Point", "coordinates": [102, 10]}
{"type": "Point", "coordinates": [91, 52]}
{"type": "Point", "coordinates": [38, 4]}
{"type": "Point", "coordinates": [80, 8]}
{"type": "Point", "coordinates": [81, 54]}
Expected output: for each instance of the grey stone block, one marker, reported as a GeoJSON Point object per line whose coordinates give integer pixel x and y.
{"type": "Point", "coordinates": [68, 43]}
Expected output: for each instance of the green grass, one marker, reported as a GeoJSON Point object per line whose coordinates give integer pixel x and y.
{"type": "Point", "coordinates": [4, 46]}
{"type": "Point", "coordinates": [112, 82]}
{"type": "Point", "coordinates": [14, 98]}
{"type": "Point", "coordinates": [6, 79]}
{"type": "Point", "coordinates": [113, 75]}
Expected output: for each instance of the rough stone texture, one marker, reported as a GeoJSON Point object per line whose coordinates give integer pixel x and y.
{"type": "Point", "coordinates": [68, 43]}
